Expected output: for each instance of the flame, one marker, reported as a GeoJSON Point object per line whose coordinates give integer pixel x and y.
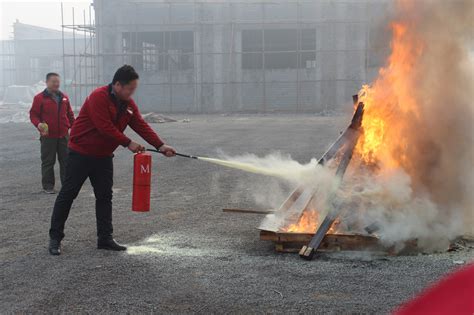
{"type": "Point", "coordinates": [308, 223]}
{"type": "Point", "coordinates": [390, 112]}
{"type": "Point", "coordinates": [390, 103]}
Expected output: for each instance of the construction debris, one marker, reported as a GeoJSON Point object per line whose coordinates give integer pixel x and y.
{"type": "Point", "coordinates": [157, 118]}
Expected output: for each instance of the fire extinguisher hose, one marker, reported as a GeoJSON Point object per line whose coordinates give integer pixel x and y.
{"type": "Point", "coordinates": [177, 154]}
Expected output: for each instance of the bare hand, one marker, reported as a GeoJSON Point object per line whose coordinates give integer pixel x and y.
{"type": "Point", "coordinates": [135, 147]}
{"type": "Point", "coordinates": [42, 129]}
{"type": "Point", "coordinates": [167, 150]}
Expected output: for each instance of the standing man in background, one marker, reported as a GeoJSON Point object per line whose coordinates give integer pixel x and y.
{"type": "Point", "coordinates": [97, 132]}
{"type": "Point", "coordinates": [52, 115]}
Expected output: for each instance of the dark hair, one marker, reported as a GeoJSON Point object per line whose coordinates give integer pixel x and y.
{"type": "Point", "coordinates": [51, 74]}
{"type": "Point", "coordinates": [124, 75]}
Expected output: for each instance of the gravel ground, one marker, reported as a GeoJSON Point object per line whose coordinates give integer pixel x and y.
{"type": "Point", "coordinates": [186, 255]}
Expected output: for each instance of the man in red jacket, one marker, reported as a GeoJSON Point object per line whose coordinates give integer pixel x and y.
{"type": "Point", "coordinates": [96, 133]}
{"type": "Point", "coordinates": [52, 115]}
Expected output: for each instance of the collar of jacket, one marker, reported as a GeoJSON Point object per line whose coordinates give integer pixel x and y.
{"type": "Point", "coordinates": [120, 104]}
{"type": "Point", "coordinates": [46, 93]}
{"type": "Point", "coordinates": [114, 96]}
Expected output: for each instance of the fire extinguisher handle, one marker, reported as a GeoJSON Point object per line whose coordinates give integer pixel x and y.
{"type": "Point", "coordinates": [178, 154]}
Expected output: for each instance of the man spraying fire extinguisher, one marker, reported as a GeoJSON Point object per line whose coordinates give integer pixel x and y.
{"type": "Point", "coordinates": [96, 133]}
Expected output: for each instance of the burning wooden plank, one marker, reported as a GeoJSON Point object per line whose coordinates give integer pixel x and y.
{"type": "Point", "coordinates": [289, 211]}
{"type": "Point", "coordinates": [301, 197]}
{"type": "Point", "coordinates": [307, 251]}
{"type": "Point", "coordinates": [346, 135]}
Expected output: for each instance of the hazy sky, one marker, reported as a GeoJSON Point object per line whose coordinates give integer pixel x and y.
{"type": "Point", "coordinates": [41, 13]}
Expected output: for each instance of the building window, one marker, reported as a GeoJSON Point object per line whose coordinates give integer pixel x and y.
{"type": "Point", "coordinates": [252, 49]}
{"type": "Point", "coordinates": [278, 49]}
{"type": "Point", "coordinates": [160, 51]}
{"type": "Point", "coordinates": [307, 48]}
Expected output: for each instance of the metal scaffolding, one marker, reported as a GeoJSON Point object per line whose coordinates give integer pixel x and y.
{"type": "Point", "coordinates": [83, 78]}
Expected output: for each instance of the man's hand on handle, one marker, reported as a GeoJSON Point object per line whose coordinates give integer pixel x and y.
{"type": "Point", "coordinates": [135, 147]}
{"type": "Point", "coordinates": [167, 150]}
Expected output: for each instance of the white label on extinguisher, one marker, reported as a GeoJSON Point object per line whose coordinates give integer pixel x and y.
{"type": "Point", "coordinates": [144, 169]}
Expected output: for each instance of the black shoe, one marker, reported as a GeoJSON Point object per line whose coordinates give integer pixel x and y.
{"type": "Point", "coordinates": [54, 247]}
{"type": "Point", "coordinates": [109, 244]}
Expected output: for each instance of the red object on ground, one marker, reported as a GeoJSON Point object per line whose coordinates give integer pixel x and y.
{"type": "Point", "coordinates": [454, 294]}
{"type": "Point", "coordinates": [141, 182]}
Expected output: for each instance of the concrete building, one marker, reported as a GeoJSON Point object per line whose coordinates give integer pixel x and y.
{"type": "Point", "coordinates": [34, 51]}
{"type": "Point", "coordinates": [241, 56]}
{"type": "Point", "coordinates": [207, 56]}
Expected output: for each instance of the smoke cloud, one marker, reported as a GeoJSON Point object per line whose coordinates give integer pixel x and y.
{"type": "Point", "coordinates": [425, 93]}
{"type": "Point", "coordinates": [274, 164]}
{"type": "Point", "coordinates": [316, 180]}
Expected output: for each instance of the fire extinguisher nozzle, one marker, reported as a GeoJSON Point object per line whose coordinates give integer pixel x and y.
{"type": "Point", "coordinates": [177, 154]}
{"type": "Point", "coordinates": [187, 156]}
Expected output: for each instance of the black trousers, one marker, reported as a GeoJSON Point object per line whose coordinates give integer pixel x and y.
{"type": "Point", "coordinates": [78, 169]}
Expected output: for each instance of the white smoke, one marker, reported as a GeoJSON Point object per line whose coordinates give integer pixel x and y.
{"type": "Point", "coordinates": [276, 165]}
{"type": "Point", "coordinates": [388, 200]}
{"type": "Point", "coordinates": [429, 197]}
{"type": "Point", "coordinates": [281, 175]}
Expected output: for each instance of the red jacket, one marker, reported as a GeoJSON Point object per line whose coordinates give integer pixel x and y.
{"type": "Point", "coordinates": [98, 130]}
{"type": "Point", "coordinates": [59, 117]}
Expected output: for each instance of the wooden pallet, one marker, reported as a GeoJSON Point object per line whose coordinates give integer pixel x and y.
{"type": "Point", "coordinates": [292, 243]}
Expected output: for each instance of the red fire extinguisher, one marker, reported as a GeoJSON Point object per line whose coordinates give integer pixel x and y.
{"type": "Point", "coordinates": [141, 182]}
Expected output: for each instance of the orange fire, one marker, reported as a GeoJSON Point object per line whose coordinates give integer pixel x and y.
{"type": "Point", "coordinates": [308, 223]}
{"type": "Point", "coordinates": [390, 103]}
{"type": "Point", "coordinates": [390, 113]}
